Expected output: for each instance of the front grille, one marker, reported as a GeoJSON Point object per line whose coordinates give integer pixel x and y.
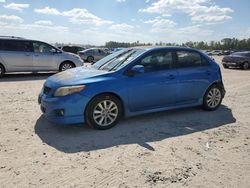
{"type": "Point", "coordinates": [46, 90]}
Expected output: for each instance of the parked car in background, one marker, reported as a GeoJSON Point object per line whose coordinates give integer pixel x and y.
{"type": "Point", "coordinates": [215, 52]}
{"type": "Point", "coordinates": [131, 82]}
{"type": "Point", "coordinates": [93, 54]}
{"type": "Point", "coordinates": [72, 49]}
{"type": "Point", "coordinates": [237, 59]}
{"type": "Point", "coordinates": [24, 55]}
{"type": "Point", "coordinates": [226, 52]}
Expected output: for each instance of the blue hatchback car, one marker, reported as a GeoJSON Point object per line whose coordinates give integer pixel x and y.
{"type": "Point", "coordinates": [131, 82]}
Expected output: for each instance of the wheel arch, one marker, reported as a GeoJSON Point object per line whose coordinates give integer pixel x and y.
{"type": "Point", "coordinates": [218, 83]}
{"type": "Point", "coordinates": [67, 61]}
{"type": "Point", "coordinates": [3, 66]}
{"type": "Point", "coordinates": [107, 93]}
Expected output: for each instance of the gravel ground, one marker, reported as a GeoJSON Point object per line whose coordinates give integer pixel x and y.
{"type": "Point", "coordinates": [187, 147]}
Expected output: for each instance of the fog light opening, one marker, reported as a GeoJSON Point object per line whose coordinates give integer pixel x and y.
{"type": "Point", "coordinates": [60, 112]}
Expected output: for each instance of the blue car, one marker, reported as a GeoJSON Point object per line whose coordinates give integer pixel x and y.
{"type": "Point", "coordinates": [131, 82]}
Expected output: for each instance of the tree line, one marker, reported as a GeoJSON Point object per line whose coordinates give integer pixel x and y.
{"type": "Point", "coordinates": [224, 44]}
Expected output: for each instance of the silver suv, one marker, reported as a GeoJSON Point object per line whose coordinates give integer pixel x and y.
{"type": "Point", "coordinates": [24, 55]}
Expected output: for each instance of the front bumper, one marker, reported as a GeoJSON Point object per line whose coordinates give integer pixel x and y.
{"type": "Point", "coordinates": [73, 107]}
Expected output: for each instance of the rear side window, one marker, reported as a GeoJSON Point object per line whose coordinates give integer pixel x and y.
{"type": "Point", "coordinates": [17, 45]}
{"type": "Point", "coordinates": [190, 59]}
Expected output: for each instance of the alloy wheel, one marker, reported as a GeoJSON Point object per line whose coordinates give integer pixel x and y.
{"type": "Point", "coordinates": [66, 66]}
{"type": "Point", "coordinates": [105, 113]}
{"type": "Point", "coordinates": [213, 98]}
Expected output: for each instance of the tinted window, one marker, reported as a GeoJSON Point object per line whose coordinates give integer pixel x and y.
{"type": "Point", "coordinates": [17, 45]}
{"type": "Point", "coordinates": [190, 59]}
{"type": "Point", "coordinates": [242, 54]}
{"type": "Point", "coordinates": [157, 61]}
{"type": "Point", "coordinates": [40, 47]}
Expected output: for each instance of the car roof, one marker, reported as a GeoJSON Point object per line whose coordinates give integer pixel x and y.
{"type": "Point", "coordinates": [12, 38]}
{"type": "Point", "coordinates": [155, 48]}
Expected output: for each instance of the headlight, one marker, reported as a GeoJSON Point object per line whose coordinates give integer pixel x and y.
{"type": "Point", "coordinates": [67, 90]}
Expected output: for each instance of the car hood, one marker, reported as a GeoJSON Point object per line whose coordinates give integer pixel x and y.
{"type": "Point", "coordinates": [76, 76]}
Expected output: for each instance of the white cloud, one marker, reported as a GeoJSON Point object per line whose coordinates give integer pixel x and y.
{"type": "Point", "coordinates": [10, 19]}
{"type": "Point", "coordinates": [44, 22]}
{"type": "Point", "coordinates": [76, 16]}
{"type": "Point", "coordinates": [120, 1]}
{"type": "Point", "coordinates": [83, 16]}
{"type": "Point", "coordinates": [210, 18]}
{"type": "Point", "coordinates": [160, 24]}
{"type": "Point", "coordinates": [201, 10]}
{"type": "Point", "coordinates": [121, 27]}
{"type": "Point", "coordinates": [2, 1]}
{"type": "Point", "coordinates": [47, 10]}
{"type": "Point", "coordinates": [16, 6]}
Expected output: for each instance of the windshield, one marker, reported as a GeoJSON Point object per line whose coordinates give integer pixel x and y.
{"type": "Point", "coordinates": [118, 59]}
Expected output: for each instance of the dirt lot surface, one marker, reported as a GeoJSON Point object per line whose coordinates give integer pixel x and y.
{"type": "Point", "coordinates": [187, 147]}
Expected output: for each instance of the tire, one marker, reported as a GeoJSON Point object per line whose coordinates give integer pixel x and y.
{"type": "Point", "coordinates": [90, 59]}
{"type": "Point", "coordinates": [212, 98]}
{"type": "Point", "coordinates": [225, 66]}
{"type": "Point", "coordinates": [101, 118]}
{"type": "Point", "coordinates": [245, 66]}
{"type": "Point", "coordinates": [2, 71]}
{"type": "Point", "coordinates": [66, 65]}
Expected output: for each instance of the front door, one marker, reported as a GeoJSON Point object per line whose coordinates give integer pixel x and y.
{"type": "Point", "coordinates": [156, 87]}
{"type": "Point", "coordinates": [45, 57]}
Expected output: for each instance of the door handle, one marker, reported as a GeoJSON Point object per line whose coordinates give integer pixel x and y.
{"type": "Point", "coordinates": [208, 72]}
{"type": "Point", "coordinates": [171, 77]}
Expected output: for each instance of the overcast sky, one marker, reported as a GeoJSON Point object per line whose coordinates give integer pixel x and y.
{"type": "Point", "coordinates": [98, 21]}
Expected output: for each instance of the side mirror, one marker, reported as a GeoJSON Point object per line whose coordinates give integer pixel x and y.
{"type": "Point", "coordinates": [137, 69]}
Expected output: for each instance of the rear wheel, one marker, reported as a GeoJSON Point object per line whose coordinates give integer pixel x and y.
{"type": "Point", "coordinates": [212, 98]}
{"type": "Point", "coordinates": [103, 112]}
{"type": "Point", "coordinates": [245, 65]}
{"type": "Point", "coordinates": [66, 65]}
{"type": "Point", "coordinates": [2, 70]}
{"type": "Point", "coordinates": [90, 59]}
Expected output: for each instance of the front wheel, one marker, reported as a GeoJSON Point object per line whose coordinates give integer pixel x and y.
{"type": "Point", "coordinates": [2, 71]}
{"type": "Point", "coordinates": [65, 66]}
{"type": "Point", "coordinates": [212, 98]}
{"type": "Point", "coordinates": [245, 66]}
{"type": "Point", "coordinates": [103, 112]}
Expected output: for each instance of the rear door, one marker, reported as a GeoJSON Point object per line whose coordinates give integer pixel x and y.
{"type": "Point", "coordinates": [193, 74]}
{"type": "Point", "coordinates": [45, 57]}
{"type": "Point", "coordinates": [17, 55]}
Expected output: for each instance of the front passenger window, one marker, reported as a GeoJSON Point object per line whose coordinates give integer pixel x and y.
{"type": "Point", "coordinates": [40, 47]}
{"type": "Point", "coordinates": [157, 61]}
